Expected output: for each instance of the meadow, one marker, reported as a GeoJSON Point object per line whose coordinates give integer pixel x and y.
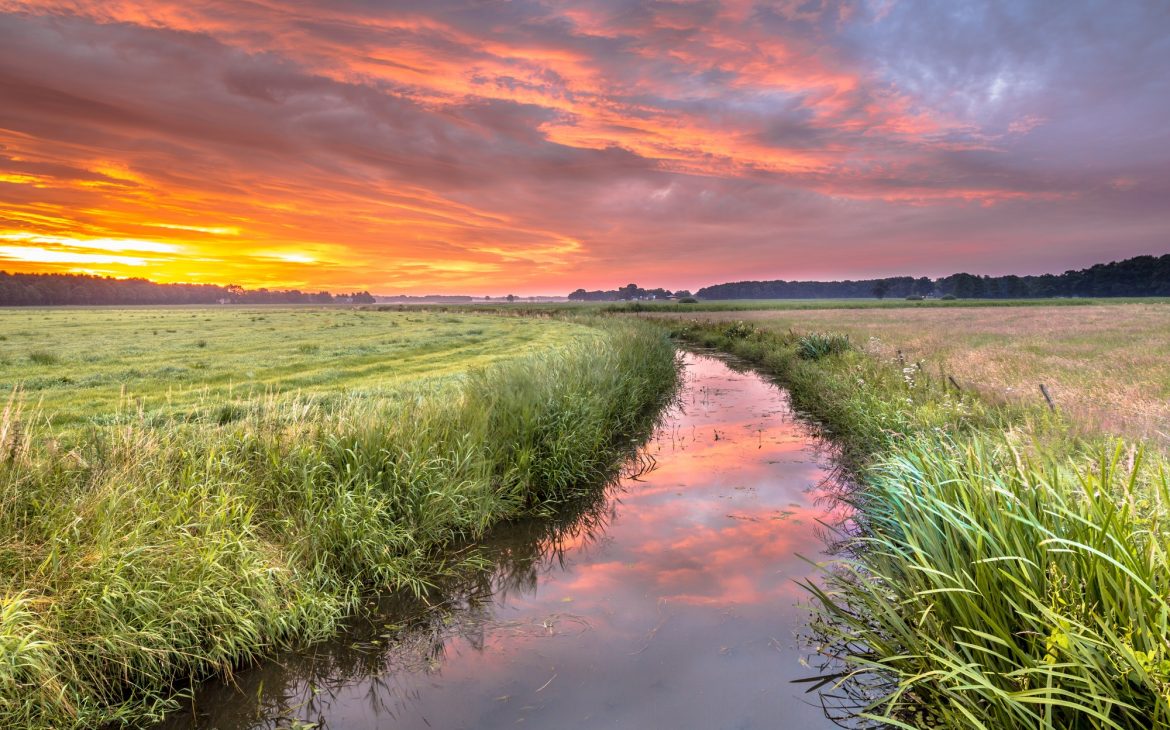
{"type": "Point", "coordinates": [183, 490]}
{"type": "Point", "coordinates": [1005, 565]}
{"type": "Point", "coordinates": [186, 490]}
{"type": "Point", "coordinates": [1105, 364]}
{"type": "Point", "coordinates": [79, 366]}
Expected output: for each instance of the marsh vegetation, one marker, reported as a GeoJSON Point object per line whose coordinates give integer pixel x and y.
{"type": "Point", "coordinates": [668, 599]}
{"type": "Point", "coordinates": [159, 525]}
{"type": "Point", "coordinates": [1006, 565]}
{"type": "Point", "coordinates": [183, 491]}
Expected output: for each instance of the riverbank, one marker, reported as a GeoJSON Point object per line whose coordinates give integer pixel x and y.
{"type": "Point", "coordinates": [147, 554]}
{"type": "Point", "coordinates": [1006, 569]}
{"type": "Point", "coordinates": [669, 599]}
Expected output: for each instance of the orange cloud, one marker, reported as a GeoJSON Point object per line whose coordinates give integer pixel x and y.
{"type": "Point", "coordinates": [479, 149]}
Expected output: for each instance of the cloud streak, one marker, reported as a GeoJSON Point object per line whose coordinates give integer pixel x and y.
{"type": "Point", "coordinates": [537, 147]}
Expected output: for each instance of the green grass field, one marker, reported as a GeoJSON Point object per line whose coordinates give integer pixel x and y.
{"type": "Point", "coordinates": [78, 366]}
{"type": "Point", "coordinates": [184, 490]}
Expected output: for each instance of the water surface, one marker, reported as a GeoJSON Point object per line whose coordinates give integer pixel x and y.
{"type": "Point", "coordinates": [668, 601]}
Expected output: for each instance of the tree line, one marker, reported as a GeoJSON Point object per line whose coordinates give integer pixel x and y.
{"type": "Point", "coordinates": [629, 291]}
{"type": "Point", "coordinates": [1141, 276]}
{"type": "Point", "coordinates": [80, 289]}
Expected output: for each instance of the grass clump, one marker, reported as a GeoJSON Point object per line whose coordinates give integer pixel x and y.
{"type": "Point", "coordinates": [992, 589]}
{"type": "Point", "coordinates": [136, 558]}
{"type": "Point", "coordinates": [1000, 569]}
{"type": "Point", "coordinates": [739, 330]}
{"type": "Point", "coordinates": [44, 357]}
{"type": "Point", "coordinates": [816, 345]}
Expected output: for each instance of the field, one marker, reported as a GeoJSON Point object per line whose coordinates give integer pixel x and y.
{"type": "Point", "coordinates": [186, 490]}
{"type": "Point", "coordinates": [1107, 366]}
{"type": "Point", "coordinates": [183, 490]}
{"type": "Point", "coordinates": [1004, 566]}
{"type": "Point", "coordinates": [80, 366]}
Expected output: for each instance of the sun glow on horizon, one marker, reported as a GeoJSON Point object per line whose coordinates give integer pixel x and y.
{"type": "Point", "coordinates": [533, 149]}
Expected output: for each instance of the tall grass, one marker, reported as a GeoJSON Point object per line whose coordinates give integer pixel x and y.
{"type": "Point", "coordinates": [816, 345]}
{"type": "Point", "coordinates": [989, 589]}
{"type": "Point", "coordinates": [138, 557]}
{"type": "Point", "coordinates": [999, 570]}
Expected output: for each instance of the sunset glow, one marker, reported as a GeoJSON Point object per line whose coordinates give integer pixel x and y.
{"type": "Point", "coordinates": [536, 147]}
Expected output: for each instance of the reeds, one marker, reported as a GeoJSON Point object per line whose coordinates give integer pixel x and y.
{"type": "Point", "coordinates": [816, 345]}
{"type": "Point", "coordinates": [1000, 569]}
{"type": "Point", "coordinates": [989, 589]}
{"type": "Point", "coordinates": [140, 557]}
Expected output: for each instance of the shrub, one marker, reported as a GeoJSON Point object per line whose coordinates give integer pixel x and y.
{"type": "Point", "coordinates": [949, 297]}
{"type": "Point", "coordinates": [688, 300]}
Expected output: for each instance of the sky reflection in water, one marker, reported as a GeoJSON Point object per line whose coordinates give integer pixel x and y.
{"type": "Point", "coordinates": [671, 603]}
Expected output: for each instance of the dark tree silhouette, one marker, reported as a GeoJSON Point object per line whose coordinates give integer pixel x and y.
{"type": "Point", "coordinates": [1142, 276]}
{"type": "Point", "coordinates": [52, 289]}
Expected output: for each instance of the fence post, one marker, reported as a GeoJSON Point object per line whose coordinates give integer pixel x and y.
{"type": "Point", "coordinates": [1048, 397]}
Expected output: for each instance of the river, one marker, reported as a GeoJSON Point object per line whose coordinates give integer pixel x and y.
{"type": "Point", "coordinates": [670, 600]}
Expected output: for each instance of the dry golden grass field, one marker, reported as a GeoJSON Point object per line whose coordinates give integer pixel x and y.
{"type": "Point", "coordinates": [1107, 366]}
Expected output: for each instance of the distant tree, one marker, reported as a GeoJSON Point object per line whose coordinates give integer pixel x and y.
{"type": "Point", "coordinates": [511, 297]}
{"type": "Point", "coordinates": [967, 286]}
{"type": "Point", "coordinates": [629, 291]}
{"type": "Point", "coordinates": [1141, 276]}
{"type": "Point", "coordinates": [53, 289]}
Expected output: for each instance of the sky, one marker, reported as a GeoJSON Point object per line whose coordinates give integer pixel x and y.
{"type": "Point", "coordinates": [534, 146]}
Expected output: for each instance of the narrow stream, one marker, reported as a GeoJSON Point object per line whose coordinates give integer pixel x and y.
{"type": "Point", "coordinates": [669, 601]}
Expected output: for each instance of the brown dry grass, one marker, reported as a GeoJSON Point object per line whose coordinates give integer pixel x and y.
{"type": "Point", "coordinates": [1107, 366]}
